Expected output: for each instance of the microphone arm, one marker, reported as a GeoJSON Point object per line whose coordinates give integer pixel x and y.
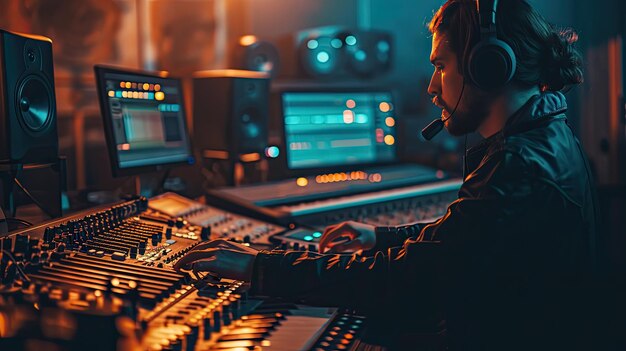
{"type": "Point", "coordinates": [434, 127]}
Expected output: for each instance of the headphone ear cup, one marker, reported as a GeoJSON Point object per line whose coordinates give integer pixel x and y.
{"type": "Point", "coordinates": [491, 64]}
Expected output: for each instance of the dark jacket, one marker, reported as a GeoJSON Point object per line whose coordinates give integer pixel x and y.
{"type": "Point", "coordinates": [507, 265]}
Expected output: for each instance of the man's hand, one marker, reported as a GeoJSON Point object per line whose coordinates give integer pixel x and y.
{"type": "Point", "coordinates": [358, 236]}
{"type": "Point", "coordinates": [222, 258]}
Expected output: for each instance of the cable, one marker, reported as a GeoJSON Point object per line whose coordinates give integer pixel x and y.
{"type": "Point", "coordinates": [32, 198]}
{"type": "Point", "coordinates": [17, 266]}
{"type": "Point", "coordinates": [21, 221]}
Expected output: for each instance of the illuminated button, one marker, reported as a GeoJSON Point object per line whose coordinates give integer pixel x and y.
{"type": "Point", "coordinates": [146, 86]}
{"type": "Point", "coordinates": [317, 234]}
{"type": "Point", "coordinates": [159, 96]}
{"type": "Point", "coordinates": [157, 87]}
{"type": "Point", "coordinates": [302, 181]}
{"type": "Point", "coordinates": [390, 140]}
{"type": "Point", "coordinates": [351, 40]}
{"type": "Point", "coordinates": [390, 122]}
{"type": "Point", "coordinates": [308, 238]}
{"type": "Point", "coordinates": [323, 57]}
{"type": "Point", "coordinates": [350, 103]}
{"type": "Point", "coordinates": [272, 151]}
{"type": "Point", "coordinates": [312, 44]}
{"type": "Point", "coordinates": [336, 43]}
{"type": "Point", "coordinates": [111, 93]}
{"type": "Point", "coordinates": [127, 85]}
{"type": "Point", "coordinates": [360, 55]}
{"type": "Point", "coordinates": [384, 106]}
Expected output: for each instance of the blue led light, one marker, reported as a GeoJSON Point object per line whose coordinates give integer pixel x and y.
{"type": "Point", "coordinates": [336, 43]}
{"type": "Point", "coordinates": [272, 152]}
{"type": "Point", "coordinates": [360, 55]}
{"type": "Point", "coordinates": [323, 56]}
{"type": "Point", "coordinates": [308, 238]}
{"type": "Point", "coordinates": [317, 234]}
{"type": "Point", "coordinates": [350, 40]}
{"type": "Point", "coordinates": [312, 44]}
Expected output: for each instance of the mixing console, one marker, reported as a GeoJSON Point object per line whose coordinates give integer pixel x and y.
{"type": "Point", "coordinates": [102, 280]}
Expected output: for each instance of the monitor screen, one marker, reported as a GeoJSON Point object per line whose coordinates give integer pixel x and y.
{"type": "Point", "coordinates": [330, 129]}
{"type": "Point", "coordinates": [144, 120]}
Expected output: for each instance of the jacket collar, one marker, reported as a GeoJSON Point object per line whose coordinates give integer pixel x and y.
{"type": "Point", "coordinates": [538, 110]}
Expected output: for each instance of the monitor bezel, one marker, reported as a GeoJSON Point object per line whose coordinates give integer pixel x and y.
{"type": "Point", "coordinates": [100, 71]}
{"type": "Point", "coordinates": [307, 171]}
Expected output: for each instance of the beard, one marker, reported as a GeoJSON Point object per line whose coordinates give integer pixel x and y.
{"type": "Point", "coordinates": [471, 113]}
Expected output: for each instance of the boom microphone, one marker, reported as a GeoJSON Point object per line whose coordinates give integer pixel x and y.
{"type": "Point", "coordinates": [434, 127]}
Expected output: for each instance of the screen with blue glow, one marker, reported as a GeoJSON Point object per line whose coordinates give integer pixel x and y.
{"type": "Point", "coordinates": [325, 129]}
{"type": "Point", "coordinates": [147, 119]}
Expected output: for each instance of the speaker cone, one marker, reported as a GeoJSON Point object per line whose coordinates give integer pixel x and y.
{"type": "Point", "coordinates": [34, 103]}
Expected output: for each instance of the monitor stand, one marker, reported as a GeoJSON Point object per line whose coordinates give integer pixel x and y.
{"type": "Point", "coordinates": [151, 184]}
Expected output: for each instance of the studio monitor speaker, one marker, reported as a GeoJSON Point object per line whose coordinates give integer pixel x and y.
{"type": "Point", "coordinates": [336, 52]}
{"type": "Point", "coordinates": [28, 128]}
{"type": "Point", "coordinates": [230, 112]}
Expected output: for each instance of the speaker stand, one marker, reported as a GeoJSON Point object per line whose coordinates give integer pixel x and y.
{"type": "Point", "coordinates": [220, 172]}
{"type": "Point", "coordinates": [10, 182]}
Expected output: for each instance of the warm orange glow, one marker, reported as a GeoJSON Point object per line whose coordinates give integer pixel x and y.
{"type": "Point", "coordinates": [122, 84]}
{"type": "Point", "coordinates": [389, 139]}
{"type": "Point", "coordinates": [127, 85]}
{"type": "Point", "coordinates": [348, 116]}
{"type": "Point", "coordinates": [350, 103]}
{"type": "Point", "coordinates": [247, 40]}
{"type": "Point", "coordinates": [302, 181]}
{"type": "Point", "coordinates": [159, 96]}
{"type": "Point", "coordinates": [111, 93]}
{"type": "Point", "coordinates": [124, 94]}
{"type": "Point", "coordinates": [146, 86]}
{"type": "Point", "coordinates": [157, 87]}
{"type": "Point", "coordinates": [251, 157]}
{"type": "Point", "coordinates": [134, 85]}
{"type": "Point", "coordinates": [384, 106]}
{"type": "Point", "coordinates": [390, 122]}
{"type": "Point", "coordinates": [135, 95]}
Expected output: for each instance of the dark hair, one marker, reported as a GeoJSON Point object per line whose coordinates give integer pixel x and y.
{"type": "Point", "coordinates": [545, 56]}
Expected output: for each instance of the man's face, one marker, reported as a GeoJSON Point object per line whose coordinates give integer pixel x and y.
{"type": "Point", "coordinates": [446, 86]}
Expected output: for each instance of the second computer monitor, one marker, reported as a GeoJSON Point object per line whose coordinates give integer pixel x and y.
{"type": "Point", "coordinates": [325, 130]}
{"type": "Point", "coordinates": [144, 120]}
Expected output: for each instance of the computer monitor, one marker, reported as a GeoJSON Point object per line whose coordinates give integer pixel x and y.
{"type": "Point", "coordinates": [338, 129]}
{"type": "Point", "coordinates": [144, 120]}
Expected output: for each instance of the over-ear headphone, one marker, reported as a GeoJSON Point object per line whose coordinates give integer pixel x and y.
{"type": "Point", "coordinates": [491, 62]}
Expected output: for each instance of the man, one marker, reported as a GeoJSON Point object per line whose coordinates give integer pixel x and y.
{"type": "Point", "coordinates": [507, 264]}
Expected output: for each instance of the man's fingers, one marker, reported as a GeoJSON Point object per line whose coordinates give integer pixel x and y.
{"type": "Point", "coordinates": [193, 256]}
{"type": "Point", "coordinates": [332, 234]}
{"type": "Point", "coordinates": [204, 265]}
{"type": "Point", "coordinates": [349, 246]}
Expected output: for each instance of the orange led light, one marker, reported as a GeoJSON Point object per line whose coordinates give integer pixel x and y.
{"type": "Point", "coordinates": [389, 139]}
{"type": "Point", "coordinates": [157, 87]}
{"type": "Point", "coordinates": [350, 103]}
{"type": "Point", "coordinates": [127, 85]}
{"type": "Point", "coordinates": [384, 106]}
{"type": "Point", "coordinates": [111, 93]}
{"type": "Point", "coordinates": [247, 40]}
{"type": "Point", "coordinates": [302, 181]}
{"type": "Point", "coordinates": [159, 96]}
{"type": "Point", "coordinates": [146, 86]}
{"type": "Point", "coordinates": [390, 122]}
